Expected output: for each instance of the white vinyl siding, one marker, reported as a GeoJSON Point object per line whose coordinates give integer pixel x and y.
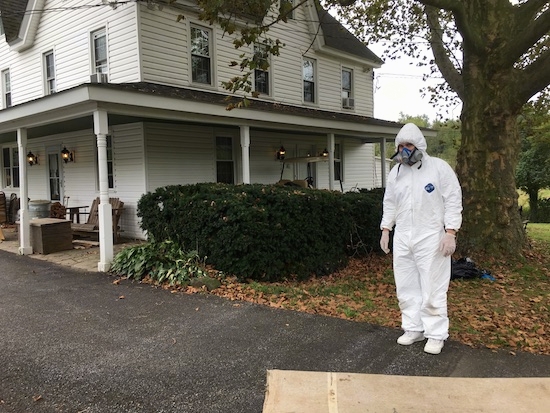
{"type": "Point", "coordinates": [68, 33]}
{"type": "Point", "coordinates": [179, 155]}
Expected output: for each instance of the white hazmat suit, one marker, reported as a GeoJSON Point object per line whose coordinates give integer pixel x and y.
{"type": "Point", "coordinates": [422, 201]}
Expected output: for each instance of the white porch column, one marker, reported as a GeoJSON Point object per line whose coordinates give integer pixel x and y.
{"type": "Point", "coordinates": [106, 253]}
{"type": "Point", "coordinates": [245, 148]}
{"type": "Point", "coordinates": [383, 160]}
{"type": "Point", "coordinates": [24, 219]}
{"type": "Point", "coordinates": [330, 149]}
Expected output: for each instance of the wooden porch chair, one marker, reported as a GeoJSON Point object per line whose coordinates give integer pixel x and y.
{"type": "Point", "coordinates": [91, 228]}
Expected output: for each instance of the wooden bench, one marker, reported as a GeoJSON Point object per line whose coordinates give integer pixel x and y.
{"type": "Point", "coordinates": [91, 228]}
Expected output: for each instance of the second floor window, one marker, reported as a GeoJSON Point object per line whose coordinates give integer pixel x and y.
{"type": "Point", "coordinates": [288, 4]}
{"type": "Point", "coordinates": [309, 80]}
{"type": "Point", "coordinates": [347, 79]}
{"type": "Point", "coordinates": [49, 71]}
{"type": "Point", "coordinates": [261, 73]}
{"type": "Point", "coordinates": [201, 58]}
{"type": "Point", "coordinates": [99, 51]}
{"type": "Point", "coordinates": [10, 163]}
{"type": "Point", "coordinates": [6, 88]}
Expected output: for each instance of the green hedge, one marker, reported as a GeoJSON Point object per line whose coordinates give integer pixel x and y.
{"type": "Point", "coordinates": [264, 232]}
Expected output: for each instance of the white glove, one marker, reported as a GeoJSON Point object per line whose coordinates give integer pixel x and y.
{"type": "Point", "coordinates": [385, 241]}
{"type": "Point", "coordinates": [448, 244]}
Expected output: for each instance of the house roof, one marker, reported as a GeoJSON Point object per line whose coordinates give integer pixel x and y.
{"type": "Point", "coordinates": [338, 37]}
{"type": "Point", "coordinates": [256, 104]}
{"type": "Point", "coordinates": [12, 12]}
{"type": "Point", "coordinates": [71, 109]}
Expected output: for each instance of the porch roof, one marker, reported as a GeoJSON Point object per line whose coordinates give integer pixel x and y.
{"type": "Point", "coordinates": [72, 109]}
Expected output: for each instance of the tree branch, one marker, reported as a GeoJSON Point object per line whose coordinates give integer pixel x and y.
{"type": "Point", "coordinates": [532, 29]}
{"type": "Point", "coordinates": [461, 20]}
{"type": "Point", "coordinates": [442, 60]}
{"type": "Point", "coordinates": [534, 77]}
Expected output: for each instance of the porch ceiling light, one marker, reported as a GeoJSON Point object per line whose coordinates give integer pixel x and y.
{"type": "Point", "coordinates": [281, 153]}
{"type": "Point", "coordinates": [32, 159]}
{"type": "Point", "coordinates": [67, 155]}
{"type": "Point", "coordinates": [325, 152]}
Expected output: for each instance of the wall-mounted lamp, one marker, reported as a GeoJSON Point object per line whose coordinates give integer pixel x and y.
{"type": "Point", "coordinates": [66, 155]}
{"type": "Point", "coordinates": [281, 153]}
{"type": "Point", "coordinates": [325, 152]}
{"type": "Point", "coordinates": [32, 159]}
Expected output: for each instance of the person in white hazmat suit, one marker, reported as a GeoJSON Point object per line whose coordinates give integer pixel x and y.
{"type": "Point", "coordinates": [423, 200]}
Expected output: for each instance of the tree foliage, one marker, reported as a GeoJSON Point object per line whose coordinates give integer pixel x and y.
{"type": "Point", "coordinates": [533, 170]}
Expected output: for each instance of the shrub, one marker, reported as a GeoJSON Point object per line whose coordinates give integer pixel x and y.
{"type": "Point", "coordinates": [262, 232]}
{"type": "Point", "coordinates": [162, 262]}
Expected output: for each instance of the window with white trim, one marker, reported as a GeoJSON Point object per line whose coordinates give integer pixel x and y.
{"type": "Point", "coordinates": [291, 4]}
{"type": "Point", "coordinates": [338, 162]}
{"type": "Point", "coordinates": [201, 55]}
{"type": "Point", "coordinates": [6, 88]}
{"type": "Point", "coordinates": [49, 72]}
{"type": "Point", "coordinates": [347, 83]}
{"type": "Point", "coordinates": [99, 51]}
{"type": "Point", "coordinates": [10, 164]}
{"type": "Point", "coordinates": [224, 160]}
{"type": "Point", "coordinates": [309, 75]}
{"type": "Point", "coordinates": [261, 73]}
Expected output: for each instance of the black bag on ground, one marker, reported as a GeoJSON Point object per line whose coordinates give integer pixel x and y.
{"type": "Point", "coordinates": [464, 268]}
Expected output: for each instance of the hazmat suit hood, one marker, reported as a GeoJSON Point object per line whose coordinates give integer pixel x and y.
{"type": "Point", "coordinates": [410, 133]}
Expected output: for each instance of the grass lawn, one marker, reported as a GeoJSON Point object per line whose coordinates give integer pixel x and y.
{"type": "Point", "coordinates": [512, 312]}
{"type": "Point", "coordinates": [540, 232]}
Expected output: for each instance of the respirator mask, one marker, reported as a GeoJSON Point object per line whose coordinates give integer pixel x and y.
{"type": "Point", "coordinates": [406, 156]}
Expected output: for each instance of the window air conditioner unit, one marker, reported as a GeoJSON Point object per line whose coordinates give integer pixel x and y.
{"type": "Point", "coordinates": [348, 103]}
{"type": "Point", "coordinates": [99, 78]}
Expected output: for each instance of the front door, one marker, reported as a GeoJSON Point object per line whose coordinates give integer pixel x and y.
{"type": "Point", "coordinates": [55, 182]}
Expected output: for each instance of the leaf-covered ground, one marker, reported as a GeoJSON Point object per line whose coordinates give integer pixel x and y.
{"type": "Point", "coordinates": [512, 312]}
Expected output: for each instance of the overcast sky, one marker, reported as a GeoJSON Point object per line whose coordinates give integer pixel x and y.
{"type": "Point", "coordinates": [397, 87]}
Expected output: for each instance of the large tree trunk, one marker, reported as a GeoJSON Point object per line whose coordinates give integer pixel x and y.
{"type": "Point", "coordinates": [486, 164]}
{"type": "Point", "coordinates": [533, 204]}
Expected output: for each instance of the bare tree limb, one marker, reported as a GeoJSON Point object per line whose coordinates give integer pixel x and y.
{"type": "Point", "coordinates": [534, 77]}
{"type": "Point", "coordinates": [442, 60]}
{"type": "Point", "coordinates": [529, 32]}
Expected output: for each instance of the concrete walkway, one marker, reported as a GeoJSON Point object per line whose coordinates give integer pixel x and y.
{"type": "Point", "coordinates": [72, 340]}
{"type": "Point", "coordinates": [84, 256]}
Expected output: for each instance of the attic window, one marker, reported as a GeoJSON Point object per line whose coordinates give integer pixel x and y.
{"type": "Point", "coordinates": [1, 27]}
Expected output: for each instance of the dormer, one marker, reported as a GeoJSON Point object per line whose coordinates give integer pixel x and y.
{"type": "Point", "coordinates": [20, 19]}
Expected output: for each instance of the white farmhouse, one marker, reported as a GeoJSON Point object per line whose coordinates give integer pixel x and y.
{"type": "Point", "coordinates": [134, 97]}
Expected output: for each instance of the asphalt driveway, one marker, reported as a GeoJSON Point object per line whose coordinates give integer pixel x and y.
{"type": "Point", "coordinates": [73, 341]}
